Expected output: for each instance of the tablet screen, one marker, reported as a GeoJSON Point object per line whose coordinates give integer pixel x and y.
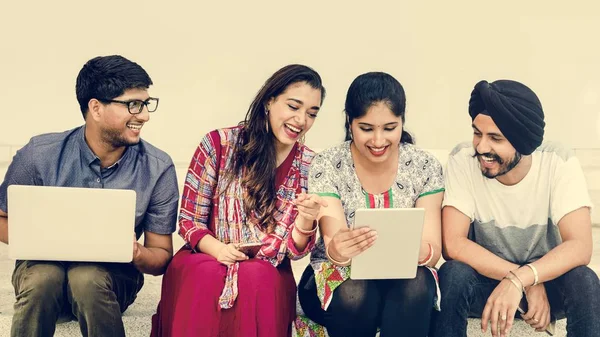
{"type": "Point", "coordinates": [395, 253]}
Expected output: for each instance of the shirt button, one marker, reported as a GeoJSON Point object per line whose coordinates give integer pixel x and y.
{"type": "Point", "coordinates": [97, 180]}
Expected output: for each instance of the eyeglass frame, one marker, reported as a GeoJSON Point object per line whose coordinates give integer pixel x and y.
{"type": "Point", "coordinates": [128, 104]}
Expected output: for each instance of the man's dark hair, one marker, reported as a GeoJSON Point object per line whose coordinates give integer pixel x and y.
{"type": "Point", "coordinates": [107, 77]}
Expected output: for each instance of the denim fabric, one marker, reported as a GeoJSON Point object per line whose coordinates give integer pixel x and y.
{"type": "Point", "coordinates": [575, 296]}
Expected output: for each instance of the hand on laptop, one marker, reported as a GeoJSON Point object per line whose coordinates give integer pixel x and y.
{"type": "Point", "coordinates": [348, 243]}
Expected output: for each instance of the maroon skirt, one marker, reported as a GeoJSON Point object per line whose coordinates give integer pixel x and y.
{"type": "Point", "coordinates": [192, 284]}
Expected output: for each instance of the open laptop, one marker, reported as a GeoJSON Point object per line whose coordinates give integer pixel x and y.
{"type": "Point", "coordinates": [70, 224]}
{"type": "Point", "coordinates": [395, 253]}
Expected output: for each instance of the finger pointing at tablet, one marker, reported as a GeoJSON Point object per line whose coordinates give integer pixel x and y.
{"type": "Point", "coordinates": [309, 205]}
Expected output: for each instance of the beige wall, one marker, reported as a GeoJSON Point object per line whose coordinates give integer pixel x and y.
{"type": "Point", "coordinates": [208, 60]}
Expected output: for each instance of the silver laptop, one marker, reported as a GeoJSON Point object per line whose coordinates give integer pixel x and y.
{"type": "Point", "coordinates": [70, 224]}
{"type": "Point", "coordinates": [395, 253]}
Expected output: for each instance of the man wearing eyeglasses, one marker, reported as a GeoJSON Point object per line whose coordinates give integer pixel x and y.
{"type": "Point", "coordinates": [105, 152]}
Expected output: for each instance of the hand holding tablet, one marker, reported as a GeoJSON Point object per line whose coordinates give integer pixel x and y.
{"type": "Point", "coordinates": [348, 243]}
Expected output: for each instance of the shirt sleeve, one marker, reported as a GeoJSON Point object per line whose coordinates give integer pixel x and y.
{"type": "Point", "coordinates": [458, 186]}
{"type": "Point", "coordinates": [569, 190]}
{"type": "Point", "coordinates": [433, 176]}
{"type": "Point", "coordinates": [320, 178]}
{"type": "Point", "coordinates": [292, 252]}
{"type": "Point", "coordinates": [198, 189]}
{"type": "Point", "coordinates": [21, 171]}
{"type": "Point", "coordinates": [161, 214]}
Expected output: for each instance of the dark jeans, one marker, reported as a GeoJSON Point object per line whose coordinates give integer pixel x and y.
{"type": "Point", "coordinates": [574, 295]}
{"type": "Point", "coordinates": [359, 307]}
{"type": "Point", "coordinates": [94, 293]}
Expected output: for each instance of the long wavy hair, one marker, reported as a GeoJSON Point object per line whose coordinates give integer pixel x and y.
{"type": "Point", "coordinates": [254, 154]}
{"type": "Point", "coordinates": [372, 88]}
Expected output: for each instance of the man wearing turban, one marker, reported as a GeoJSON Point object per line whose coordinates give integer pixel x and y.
{"type": "Point", "coordinates": [516, 223]}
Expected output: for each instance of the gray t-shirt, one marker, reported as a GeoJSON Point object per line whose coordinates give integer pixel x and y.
{"type": "Point", "coordinates": [518, 223]}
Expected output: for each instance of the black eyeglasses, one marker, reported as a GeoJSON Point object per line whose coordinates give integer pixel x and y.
{"type": "Point", "coordinates": [135, 106]}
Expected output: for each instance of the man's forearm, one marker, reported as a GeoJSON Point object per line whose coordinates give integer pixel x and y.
{"type": "Point", "coordinates": [152, 260]}
{"type": "Point", "coordinates": [482, 260]}
{"type": "Point", "coordinates": [4, 229]}
{"type": "Point", "coordinates": [558, 261]}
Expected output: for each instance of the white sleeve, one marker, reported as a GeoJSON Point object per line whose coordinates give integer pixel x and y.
{"type": "Point", "coordinates": [569, 190]}
{"type": "Point", "coordinates": [459, 186]}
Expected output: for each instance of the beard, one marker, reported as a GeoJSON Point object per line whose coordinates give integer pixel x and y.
{"type": "Point", "coordinates": [116, 139]}
{"type": "Point", "coordinates": [505, 165]}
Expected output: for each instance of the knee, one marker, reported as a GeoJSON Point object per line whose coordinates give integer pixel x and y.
{"type": "Point", "coordinates": [42, 283]}
{"type": "Point", "coordinates": [582, 282]}
{"type": "Point", "coordinates": [420, 289]}
{"type": "Point", "coordinates": [456, 281]}
{"type": "Point", "coordinates": [86, 282]}
{"type": "Point", "coordinates": [454, 274]}
{"type": "Point", "coordinates": [186, 262]}
{"type": "Point", "coordinates": [357, 297]}
{"type": "Point", "coordinates": [258, 274]}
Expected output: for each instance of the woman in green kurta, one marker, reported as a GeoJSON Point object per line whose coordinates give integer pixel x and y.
{"type": "Point", "coordinates": [377, 167]}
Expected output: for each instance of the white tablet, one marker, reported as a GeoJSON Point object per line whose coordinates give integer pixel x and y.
{"type": "Point", "coordinates": [395, 254]}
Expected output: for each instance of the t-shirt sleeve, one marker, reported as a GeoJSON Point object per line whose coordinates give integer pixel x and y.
{"type": "Point", "coordinates": [161, 215]}
{"type": "Point", "coordinates": [21, 171]}
{"type": "Point", "coordinates": [458, 186]}
{"type": "Point", "coordinates": [433, 176]}
{"type": "Point", "coordinates": [321, 179]}
{"type": "Point", "coordinates": [569, 189]}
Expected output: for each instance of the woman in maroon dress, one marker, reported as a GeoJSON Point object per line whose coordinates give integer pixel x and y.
{"type": "Point", "coordinates": [246, 184]}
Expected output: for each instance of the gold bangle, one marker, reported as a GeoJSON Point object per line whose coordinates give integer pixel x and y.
{"type": "Point", "coordinates": [535, 274]}
{"type": "Point", "coordinates": [518, 278]}
{"type": "Point", "coordinates": [305, 232]}
{"type": "Point", "coordinates": [520, 289]}
{"type": "Point", "coordinates": [339, 263]}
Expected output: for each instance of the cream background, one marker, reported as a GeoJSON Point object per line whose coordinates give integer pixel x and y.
{"type": "Point", "coordinates": [208, 59]}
